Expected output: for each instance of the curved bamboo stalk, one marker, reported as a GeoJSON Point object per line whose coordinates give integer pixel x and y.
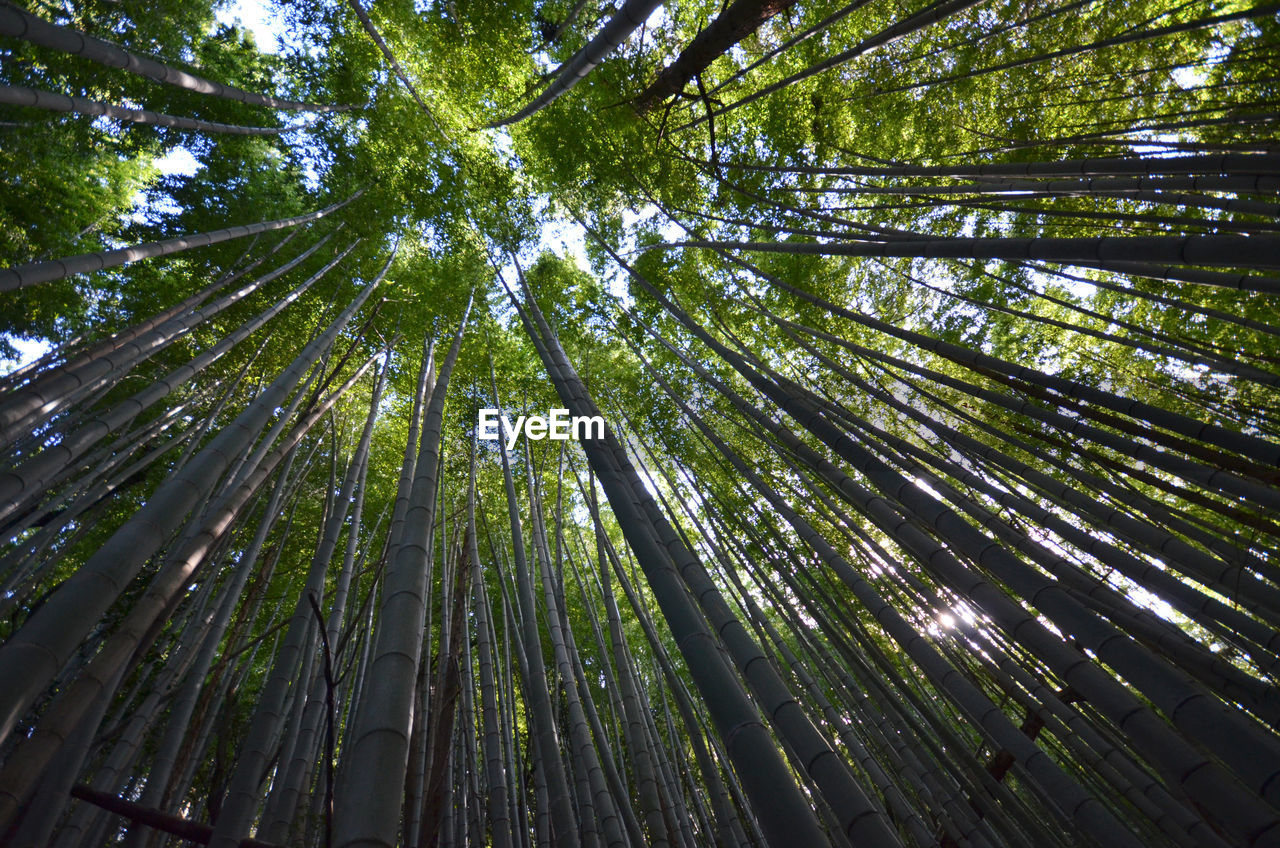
{"type": "Point", "coordinates": [734, 23]}
{"type": "Point", "coordinates": [1115, 41]}
{"type": "Point", "coordinates": [367, 23]}
{"type": "Point", "coordinates": [625, 21]}
{"type": "Point", "coordinates": [19, 23]}
{"type": "Point", "coordinates": [21, 276]}
{"type": "Point", "coordinates": [931, 14]}
{"type": "Point", "coordinates": [17, 95]}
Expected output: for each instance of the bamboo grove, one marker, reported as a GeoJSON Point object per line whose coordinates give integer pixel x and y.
{"type": "Point", "coordinates": [937, 342]}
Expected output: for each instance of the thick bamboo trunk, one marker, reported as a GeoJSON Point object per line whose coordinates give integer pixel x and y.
{"type": "Point", "coordinates": [785, 816]}
{"type": "Point", "coordinates": [804, 35]}
{"type": "Point", "coordinates": [1158, 681]}
{"type": "Point", "coordinates": [498, 811]}
{"type": "Point", "coordinates": [546, 740]}
{"type": "Point", "coordinates": [296, 770]}
{"type": "Point", "coordinates": [42, 398]}
{"type": "Point", "coordinates": [734, 23]}
{"type": "Point", "coordinates": [19, 23]}
{"type": "Point", "coordinates": [99, 679]}
{"type": "Point", "coordinates": [625, 21]}
{"type": "Point", "coordinates": [16, 95]}
{"type": "Point", "coordinates": [186, 698]}
{"type": "Point", "coordinates": [21, 276]}
{"type": "Point", "coordinates": [34, 654]}
{"type": "Point", "coordinates": [33, 475]}
{"type": "Point", "coordinates": [930, 15]}
{"type": "Point", "coordinates": [367, 811]}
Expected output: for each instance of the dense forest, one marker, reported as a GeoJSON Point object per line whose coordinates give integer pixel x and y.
{"type": "Point", "coordinates": [937, 344]}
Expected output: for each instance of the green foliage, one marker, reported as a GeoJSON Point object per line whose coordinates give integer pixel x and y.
{"type": "Point", "coordinates": [878, 343]}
